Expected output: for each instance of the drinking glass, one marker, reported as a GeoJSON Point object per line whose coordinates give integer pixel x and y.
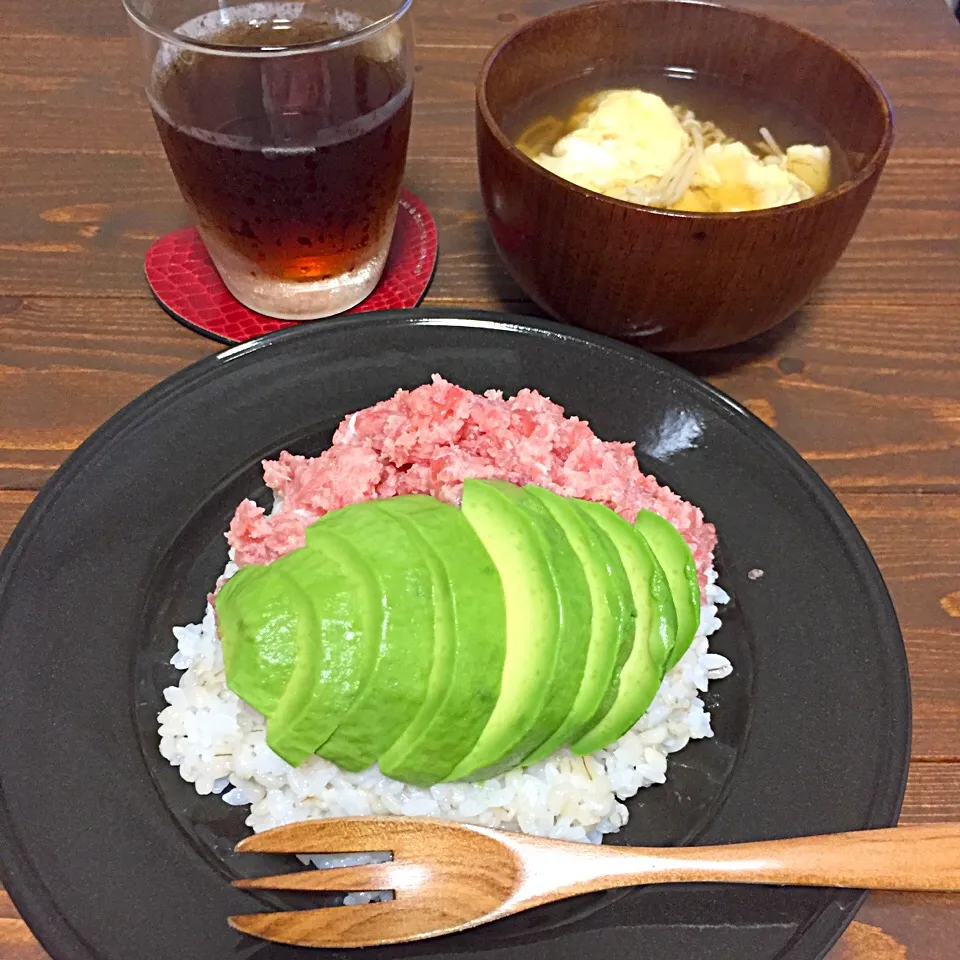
{"type": "Point", "coordinates": [286, 126]}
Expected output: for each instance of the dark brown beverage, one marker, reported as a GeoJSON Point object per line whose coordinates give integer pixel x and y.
{"type": "Point", "coordinates": [293, 162]}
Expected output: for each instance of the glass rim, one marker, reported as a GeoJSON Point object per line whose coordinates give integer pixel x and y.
{"type": "Point", "coordinates": [228, 50]}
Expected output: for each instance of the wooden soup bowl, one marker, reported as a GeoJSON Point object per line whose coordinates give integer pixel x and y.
{"type": "Point", "coordinates": [664, 280]}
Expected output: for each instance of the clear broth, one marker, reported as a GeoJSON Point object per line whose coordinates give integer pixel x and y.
{"type": "Point", "coordinates": [739, 113]}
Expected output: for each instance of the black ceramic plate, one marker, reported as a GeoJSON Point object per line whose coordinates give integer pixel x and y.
{"type": "Point", "coordinates": [109, 855]}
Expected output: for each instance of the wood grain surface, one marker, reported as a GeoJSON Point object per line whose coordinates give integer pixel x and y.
{"type": "Point", "coordinates": [864, 381]}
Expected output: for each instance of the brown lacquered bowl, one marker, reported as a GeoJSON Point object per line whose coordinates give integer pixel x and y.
{"type": "Point", "coordinates": [663, 280]}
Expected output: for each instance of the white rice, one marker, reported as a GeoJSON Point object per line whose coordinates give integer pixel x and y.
{"type": "Point", "coordinates": [218, 743]}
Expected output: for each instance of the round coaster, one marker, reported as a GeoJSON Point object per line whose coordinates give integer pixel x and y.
{"type": "Point", "coordinates": [187, 285]}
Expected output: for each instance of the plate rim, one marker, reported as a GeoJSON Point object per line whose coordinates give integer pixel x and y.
{"type": "Point", "coordinates": [28, 890]}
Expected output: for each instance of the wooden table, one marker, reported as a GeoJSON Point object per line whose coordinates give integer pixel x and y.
{"type": "Point", "coordinates": [864, 382]}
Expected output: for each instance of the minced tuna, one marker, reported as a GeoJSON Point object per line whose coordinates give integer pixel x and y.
{"type": "Point", "coordinates": [428, 440]}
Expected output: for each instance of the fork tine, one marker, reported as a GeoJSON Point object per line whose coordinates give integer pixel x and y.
{"type": "Point", "coordinates": [364, 925]}
{"type": "Point", "coordinates": [342, 835]}
{"type": "Point", "coordinates": [372, 876]}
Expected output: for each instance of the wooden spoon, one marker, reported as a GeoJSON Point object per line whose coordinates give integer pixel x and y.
{"type": "Point", "coordinates": [448, 877]}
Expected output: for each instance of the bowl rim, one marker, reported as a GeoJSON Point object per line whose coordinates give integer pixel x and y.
{"type": "Point", "coordinates": [871, 168]}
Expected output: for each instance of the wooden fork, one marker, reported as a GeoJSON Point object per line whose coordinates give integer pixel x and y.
{"type": "Point", "coordinates": [448, 877]}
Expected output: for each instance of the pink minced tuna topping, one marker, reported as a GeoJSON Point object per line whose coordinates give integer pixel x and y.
{"type": "Point", "coordinates": [430, 439]}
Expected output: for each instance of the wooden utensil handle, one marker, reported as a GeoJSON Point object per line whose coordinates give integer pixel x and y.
{"type": "Point", "coordinates": [901, 858]}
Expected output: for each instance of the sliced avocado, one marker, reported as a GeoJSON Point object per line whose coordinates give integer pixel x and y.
{"type": "Point", "coordinates": [511, 537]}
{"type": "Point", "coordinates": [471, 633]}
{"type": "Point", "coordinates": [394, 691]}
{"type": "Point", "coordinates": [327, 672]}
{"type": "Point", "coordinates": [675, 558]}
{"type": "Point", "coordinates": [576, 613]}
{"type": "Point", "coordinates": [640, 678]}
{"type": "Point", "coordinates": [259, 619]}
{"type": "Point", "coordinates": [626, 615]}
{"type": "Point", "coordinates": [663, 636]}
{"type": "Point", "coordinates": [613, 614]}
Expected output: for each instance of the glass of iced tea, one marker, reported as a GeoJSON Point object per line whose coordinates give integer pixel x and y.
{"type": "Point", "coordinates": [286, 126]}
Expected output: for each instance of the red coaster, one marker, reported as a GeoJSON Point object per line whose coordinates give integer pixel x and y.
{"type": "Point", "coordinates": [187, 285]}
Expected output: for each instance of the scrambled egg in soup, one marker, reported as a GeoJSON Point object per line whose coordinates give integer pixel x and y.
{"type": "Point", "coordinates": [632, 145]}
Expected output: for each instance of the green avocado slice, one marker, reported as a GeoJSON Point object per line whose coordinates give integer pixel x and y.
{"type": "Point", "coordinates": [511, 537]}
{"type": "Point", "coordinates": [394, 690]}
{"type": "Point", "coordinates": [576, 614]}
{"type": "Point", "coordinates": [625, 612]}
{"type": "Point", "coordinates": [325, 677]}
{"type": "Point", "coordinates": [640, 677]}
{"type": "Point", "coordinates": [260, 620]}
{"type": "Point", "coordinates": [471, 634]}
{"type": "Point", "coordinates": [675, 558]}
{"type": "Point", "coordinates": [611, 625]}
{"type": "Point", "coordinates": [663, 636]}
